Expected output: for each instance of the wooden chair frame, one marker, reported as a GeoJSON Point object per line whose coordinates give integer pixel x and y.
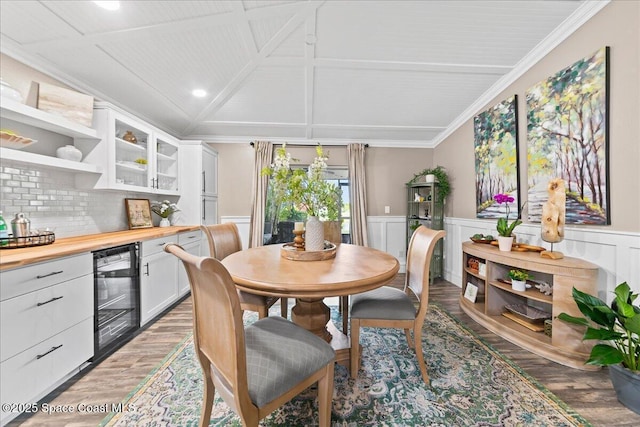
{"type": "Point", "coordinates": [224, 239]}
{"type": "Point", "coordinates": [219, 342]}
{"type": "Point", "coordinates": [419, 255]}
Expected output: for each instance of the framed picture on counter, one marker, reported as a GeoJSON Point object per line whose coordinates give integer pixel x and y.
{"type": "Point", "coordinates": [138, 213]}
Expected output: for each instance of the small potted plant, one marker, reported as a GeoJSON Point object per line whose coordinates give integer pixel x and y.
{"type": "Point", "coordinates": [518, 279]}
{"type": "Point", "coordinates": [164, 210]}
{"type": "Point", "coordinates": [617, 327]}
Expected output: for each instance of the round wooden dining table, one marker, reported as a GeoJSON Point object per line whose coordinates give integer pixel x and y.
{"type": "Point", "coordinates": [263, 271]}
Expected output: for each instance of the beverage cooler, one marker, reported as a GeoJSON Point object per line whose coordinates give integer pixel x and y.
{"type": "Point", "coordinates": [117, 297]}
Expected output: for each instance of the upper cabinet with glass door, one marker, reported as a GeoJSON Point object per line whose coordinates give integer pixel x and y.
{"type": "Point", "coordinates": [134, 155]}
{"type": "Point", "coordinates": [166, 163]}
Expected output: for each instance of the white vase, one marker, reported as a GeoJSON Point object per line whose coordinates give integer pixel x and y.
{"type": "Point", "coordinates": [314, 235]}
{"type": "Point", "coordinates": [164, 222]}
{"type": "Point", "coordinates": [69, 152]}
{"type": "Point", "coordinates": [518, 285]}
{"type": "Point", "coordinates": [505, 243]}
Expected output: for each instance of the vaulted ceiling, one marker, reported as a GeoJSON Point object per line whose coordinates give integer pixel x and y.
{"type": "Point", "coordinates": [393, 73]}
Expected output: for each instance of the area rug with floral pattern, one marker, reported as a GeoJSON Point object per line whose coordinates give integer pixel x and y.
{"type": "Point", "coordinates": [472, 384]}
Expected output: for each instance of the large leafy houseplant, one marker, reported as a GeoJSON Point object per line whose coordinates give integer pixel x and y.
{"type": "Point", "coordinates": [617, 326]}
{"type": "Point", "coordinates": [307, 190]}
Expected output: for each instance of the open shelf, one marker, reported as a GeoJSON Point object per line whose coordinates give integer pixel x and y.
{"type": "Point", "coordinates": [22, 113]}
{"type": "Point", "coordinates": [48, 161]}
{"type": "Point", "coordinates": [532, 293]}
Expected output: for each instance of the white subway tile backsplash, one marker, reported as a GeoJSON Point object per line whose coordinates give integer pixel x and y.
{"type": "Point", "coordinates": [51, 200]}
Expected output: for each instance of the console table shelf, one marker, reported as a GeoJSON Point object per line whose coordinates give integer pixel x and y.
{"type": "Point", "coordinates": [565, 346]}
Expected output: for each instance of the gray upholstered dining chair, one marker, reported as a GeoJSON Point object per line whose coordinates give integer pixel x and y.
{"type": "Point", "coordinates": [224, 239]}
{"type": "Point", "coordinates": [254, 369]}
{"type": "Point", "coordinates": [388, 307]}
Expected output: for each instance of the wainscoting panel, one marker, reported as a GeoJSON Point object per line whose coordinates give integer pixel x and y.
{"type": "Point", "coordinates": [387, 233]}
{"type": "Point", "coordinates": [617, 253]}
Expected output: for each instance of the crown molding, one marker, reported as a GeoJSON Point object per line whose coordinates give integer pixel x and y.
{"type": "Point", "coordinates": [378, 143]}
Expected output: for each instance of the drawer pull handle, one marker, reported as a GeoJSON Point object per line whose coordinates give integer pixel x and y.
{"type": "Point", "coordinates": [146, 266]}
{"type": "Point", "coordinates": [40, 356]}
{"type": "Point", "coordinates": [162, 244]}
{"type": "Point", "coordinates": [53, 273]}
{"type": "Point", "coordinates": [47, 302]}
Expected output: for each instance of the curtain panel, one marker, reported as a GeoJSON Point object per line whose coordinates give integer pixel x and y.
{"type": "Point", "coordinates": [263, 157]}
{"type": "Point", "coordinates": [358, 199]}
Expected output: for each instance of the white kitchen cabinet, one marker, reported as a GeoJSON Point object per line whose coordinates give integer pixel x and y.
{"type": "Point", "coordinates": [158, 278]}
{"type": "Point", "coordinates": [209, 210]}
{"type": "Point", "coordinates": [134, 155]}
{"type": "Point", "coordinates": [46, 326]}
{"type": "Point", "coordinates": [51, 131]}
{"type": "Point", "coordinates": [199, 164]}
{"type": "Point", "coordinates": [190, 242]}
{"type": "Point", "coordinates": [209, 172]}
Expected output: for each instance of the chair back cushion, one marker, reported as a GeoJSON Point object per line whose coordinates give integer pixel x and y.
{"type": "Point", "coordinates": [224, 239]}
{"type": "Point", "coordinates": [421, 248]}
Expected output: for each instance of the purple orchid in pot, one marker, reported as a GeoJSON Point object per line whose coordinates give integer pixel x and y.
{"type": "Point", "coordinates": [505, 230]}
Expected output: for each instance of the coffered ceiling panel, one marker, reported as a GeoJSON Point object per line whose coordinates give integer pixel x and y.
{"type": "Point", "coordinates": [83, 16]}
{"type": "Point", "coordinates": [460, 32]}
{"type": "Point", "coordinates": [175, 64]}
{"type": "Point", "coordinates": [390, 73]}
{"type": "Point", "coordinates": [270, 95]}
{"type": "Point", "coordinates": [398, 98]}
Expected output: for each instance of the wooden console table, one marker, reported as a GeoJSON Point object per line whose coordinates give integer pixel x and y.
{"type": "Point", "coordinates": [565, 346]}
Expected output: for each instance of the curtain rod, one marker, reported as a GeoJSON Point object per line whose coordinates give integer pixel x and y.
{"type": "Point", "coordinates": [308, 145]}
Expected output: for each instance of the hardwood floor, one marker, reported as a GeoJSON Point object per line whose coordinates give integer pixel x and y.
{"type": "Point", "coordinates": [589, 393]}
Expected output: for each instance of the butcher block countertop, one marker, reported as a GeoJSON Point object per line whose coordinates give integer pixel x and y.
{"type": "Point", "coordinates": [13, 258]}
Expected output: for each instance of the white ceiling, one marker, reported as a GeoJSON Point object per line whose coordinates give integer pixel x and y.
{"type": "Point", "coordinates": [389, 73]}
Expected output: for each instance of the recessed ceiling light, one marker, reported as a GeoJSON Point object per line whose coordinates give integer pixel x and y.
{"type": "Point", "coordinates": [199, 93]}
{"type": "Point", "coordinates": [108, 4]}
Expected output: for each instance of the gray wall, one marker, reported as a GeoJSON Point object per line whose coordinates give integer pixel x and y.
{"type": "Point", "coordinates": [387, 169]}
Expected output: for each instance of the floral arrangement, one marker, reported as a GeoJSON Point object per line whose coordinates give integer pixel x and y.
{"type": "Point", "coordinates": [520, 275]}
{"type": "Point", "coordinates": [306, 189]}
{"type": "Point", "coordinates": [164, 209]}
{"type": "Point", "coordinates": [504, 228]}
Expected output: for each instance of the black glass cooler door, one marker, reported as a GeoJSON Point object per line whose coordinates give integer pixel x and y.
{"type": "Point", "coordinates": [117, 316]}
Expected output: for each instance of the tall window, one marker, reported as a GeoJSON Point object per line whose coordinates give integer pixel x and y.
{"type": "Point", "coordinates": [279, 220]}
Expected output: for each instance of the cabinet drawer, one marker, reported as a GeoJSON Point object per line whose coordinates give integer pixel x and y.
{"type": "Point", "coordinates": [188, 237]}
{"type": "Point", "coordinates": [31, 318]}
{"type": "Point", "coordinates": [26, 378]}
{"type": "Point", "coordinates": [150, 247]}
{"type": "Point", "coordinates": [38, 276]}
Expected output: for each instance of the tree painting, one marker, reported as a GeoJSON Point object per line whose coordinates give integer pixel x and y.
{"type": "Point", "coordinates": [496, 152]}
{"type": "Point", "coordinates": [567, 133]}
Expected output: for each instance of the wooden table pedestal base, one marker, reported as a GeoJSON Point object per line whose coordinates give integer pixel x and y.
{"type": "Point", "coordinates": [315, 316]}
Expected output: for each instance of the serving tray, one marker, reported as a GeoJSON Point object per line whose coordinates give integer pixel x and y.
{"type": "Point", "coordinates": [289, 251]}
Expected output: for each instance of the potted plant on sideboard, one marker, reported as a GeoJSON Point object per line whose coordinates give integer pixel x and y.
{"type": "Point", "coordinates": [618, 328]}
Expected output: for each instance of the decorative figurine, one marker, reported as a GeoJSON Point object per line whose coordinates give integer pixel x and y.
{"type": "Point", "coordinates": [553, 217]}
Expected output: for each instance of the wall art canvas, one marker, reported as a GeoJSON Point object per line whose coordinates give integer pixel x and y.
{"type": "Point", "coordinates": [567, 137]}
{"type": "Point", "coordinates": [496, 153]}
